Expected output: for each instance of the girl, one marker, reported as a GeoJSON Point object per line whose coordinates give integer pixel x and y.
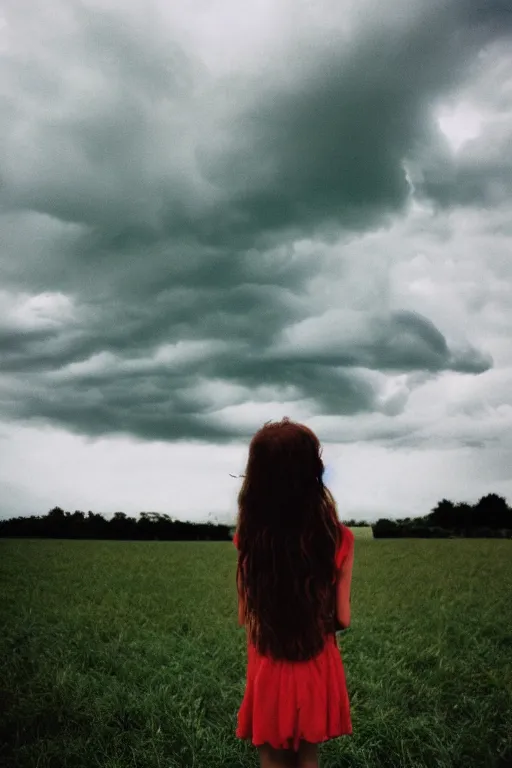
{"type": "Point", "coordinates": [293, 576]}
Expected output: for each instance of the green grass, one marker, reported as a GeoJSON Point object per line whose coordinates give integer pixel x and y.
{"type": "Point", "coordinates": [362, 532]}
{"type": "Point", "coordinates": [118, 654]}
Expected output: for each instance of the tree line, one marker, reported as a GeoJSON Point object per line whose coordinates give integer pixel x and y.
{"type": "Point", "coordinates": [489, 517]}
{"type": "Point", "coordinates": [58, 524]}
{"type": "Point", "coordinates": [149, 526]}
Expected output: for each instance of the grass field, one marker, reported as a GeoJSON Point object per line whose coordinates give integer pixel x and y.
{"type": "Point", "coordinates": [362, 532]}
{"type": "Point", "coordinates": [119, 654]}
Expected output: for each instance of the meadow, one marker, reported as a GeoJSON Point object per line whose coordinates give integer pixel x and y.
{"type": "Point", "coordinates": [119, 654]}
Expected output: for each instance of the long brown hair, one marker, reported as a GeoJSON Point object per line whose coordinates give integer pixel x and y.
{"type": "Point", "coordinates": [288, 532]}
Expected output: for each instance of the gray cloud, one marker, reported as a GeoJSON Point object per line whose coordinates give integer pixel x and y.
{"type": "Point", "coordinates": [480, 172]}
{"type": "Point", "coordinates": [140, 144]}
{"type": "Point", "coordinates": [401, 341]}
{"type": "Point", "coordinates": [166, 204]}
{"type": "Point", "coordinates": [329, 147]}
{"type": "Point", "coordinates": [156, 398]}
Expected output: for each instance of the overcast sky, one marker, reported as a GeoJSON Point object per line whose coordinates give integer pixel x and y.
{"type": "Point", "coordinates": [214, 214]}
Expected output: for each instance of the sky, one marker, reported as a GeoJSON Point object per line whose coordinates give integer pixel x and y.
{"type": "Point", "coordinates": [214, 215]}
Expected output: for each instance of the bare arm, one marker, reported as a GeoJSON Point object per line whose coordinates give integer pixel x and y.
{"type": "Point", "coordinates": [343, 586]}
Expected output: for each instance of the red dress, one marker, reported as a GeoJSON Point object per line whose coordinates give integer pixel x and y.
{"type": "Point", "coordinates": [287, 701]}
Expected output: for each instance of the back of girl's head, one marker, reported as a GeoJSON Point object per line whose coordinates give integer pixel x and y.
{"type": "Point", "coordinates": [288, 532]}
{"type": "Point", "coordinates": [284, 464]}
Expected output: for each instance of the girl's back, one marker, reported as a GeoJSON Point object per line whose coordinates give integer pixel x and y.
{"type": "Point", "coordinates": [294, 577]}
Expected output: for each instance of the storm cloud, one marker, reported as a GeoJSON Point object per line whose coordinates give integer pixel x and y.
{"type": "Point", "coordinates": [193, 223]}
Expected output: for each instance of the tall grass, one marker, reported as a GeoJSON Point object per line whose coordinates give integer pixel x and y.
{"type": "Point", "coordinates": [118, 654]}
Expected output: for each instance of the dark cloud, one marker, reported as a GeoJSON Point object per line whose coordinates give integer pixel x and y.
{"type": "Point", "coordinates": [328, 149]}
{"type": "Point", "coordinates": [475, 177]}
{"type": "Point", "coordinates": [146, 153]}
{"type": "Point", "coordinates": [157, 399]}
{"type": "Point", "coordinates": [401, 341]}
{"type": "Point", "coordinates": [479, 173]}
{"type": "Point", "coordinates": [166, 205]}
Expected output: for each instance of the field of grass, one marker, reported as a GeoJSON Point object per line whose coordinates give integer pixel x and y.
{"type": "Point", "coordinates": [362, 532]}
{"type": "Point", "coordinates": [119, 654]}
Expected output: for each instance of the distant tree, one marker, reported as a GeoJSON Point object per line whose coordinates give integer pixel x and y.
{"type": "Point", "coordinates": [121, 526]}
{"type": "Point", "coordinates": [55, 524]}
{"type": "Point", "coordinates": [493, 511]}
{"type": "Point", "coordinates": [463, 517]}
{"type": "Point", "coordinates": [56, 514]}
{"type": "Point", "coordinates": [76, 524]}
{"type": "Point", "coordinates": [438, 533]}
{"type": "Point", "coordinates": [58, 523]}
{"type": "Point", "coordinates": [443, 515]}
{"type": "Point", "coordinates": [97, 526]}
{"type": "Point", "coordinates": [384, 529]}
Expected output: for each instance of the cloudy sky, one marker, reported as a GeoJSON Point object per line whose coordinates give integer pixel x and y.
{"type": "Point", "coordinates": [214, 214]}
